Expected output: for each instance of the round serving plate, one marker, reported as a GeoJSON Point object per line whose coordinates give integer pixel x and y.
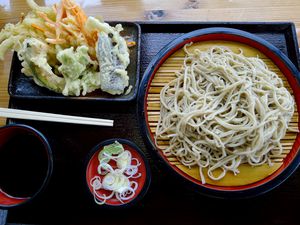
{"type": "Point", "coordinates": [251, 181]}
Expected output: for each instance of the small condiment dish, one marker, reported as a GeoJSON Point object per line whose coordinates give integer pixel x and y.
{"type": "Point", "coordinates": [141, 179]}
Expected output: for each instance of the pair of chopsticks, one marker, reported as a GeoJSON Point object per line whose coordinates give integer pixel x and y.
{"type": "Point", "coordinates": [51, 117]}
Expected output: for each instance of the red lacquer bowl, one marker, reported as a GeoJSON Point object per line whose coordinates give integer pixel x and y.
{"type": "Point", "coordinates": [143, 181]}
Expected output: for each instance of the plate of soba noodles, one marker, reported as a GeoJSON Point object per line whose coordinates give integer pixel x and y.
{"type": "Point", "coordinates": [219, 106]}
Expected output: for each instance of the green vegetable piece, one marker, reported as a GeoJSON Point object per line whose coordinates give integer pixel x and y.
{"type": "Point", "coordinates": [73, 63]}
{"type": "Point", "coordinates": [112, 149]}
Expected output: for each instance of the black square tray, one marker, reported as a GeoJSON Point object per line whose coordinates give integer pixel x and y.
{"type": "Point", "coordinates": [168, 201]}
{"type": "Point", "coordinates": [20, 86]}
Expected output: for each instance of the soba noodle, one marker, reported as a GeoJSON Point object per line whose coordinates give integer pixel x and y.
{"type": "Point", "coordinates": [223, 109]}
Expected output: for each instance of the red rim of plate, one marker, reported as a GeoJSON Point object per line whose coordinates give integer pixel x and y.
{"type": "Point", "coordinates": [223, 34]}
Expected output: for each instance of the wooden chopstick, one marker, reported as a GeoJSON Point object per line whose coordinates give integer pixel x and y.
{"type": "Point", "coordinates": [51, 117]}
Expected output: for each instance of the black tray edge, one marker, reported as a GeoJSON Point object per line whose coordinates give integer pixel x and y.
{"type": "Point", "coordinates": [296, 44]}
{"type": "Point", "coordinates": [284, 24]}
{"type": "Point", "coordinates": [286, 27]}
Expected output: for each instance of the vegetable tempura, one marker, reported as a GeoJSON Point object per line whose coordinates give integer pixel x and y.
{"type": "Point", "coordinates": [67, 52]}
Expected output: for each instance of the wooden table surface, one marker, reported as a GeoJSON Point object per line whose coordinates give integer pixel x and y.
{"type": "Point", "coordinates": [175, 10]}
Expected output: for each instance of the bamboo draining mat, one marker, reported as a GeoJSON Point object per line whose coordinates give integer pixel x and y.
{"type": "Point", "coordinates": [247, 173]}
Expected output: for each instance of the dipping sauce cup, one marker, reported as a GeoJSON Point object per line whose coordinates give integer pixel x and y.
{"type": "Point", "coordinates": [26, 164]}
